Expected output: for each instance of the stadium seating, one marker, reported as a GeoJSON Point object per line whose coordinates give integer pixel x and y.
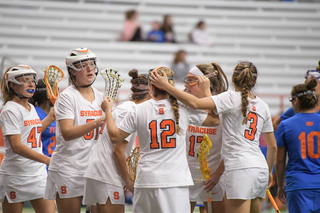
{"type": "Point", "coordinates": [281, 38]}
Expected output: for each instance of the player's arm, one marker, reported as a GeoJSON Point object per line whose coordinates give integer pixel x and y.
{"type": "Point", "coordinates": [214, 177]}
{"type": "Point", "coordinates": [116, 135]}
{"type": "Point", "coordinates": [281, 172]}
{"type": "Point", "coordinates": [48, 120]}
{"type": "Point", "coordinates": [188, 99]}
{"type": "Point", "coordinates": [212, 119]}
{"type": "Point", "coordinates": [71, 132]}
{"type": "Point", "coordinates": [120, 160]}
{"type": "Point", "coordinates": [276, 123]}
{"type": "Point", "coordinates": [24, 151]}
{"type": "Point", "coordinates": [271, 152]}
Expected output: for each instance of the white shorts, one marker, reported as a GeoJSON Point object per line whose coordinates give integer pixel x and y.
{"type": "Point", "coordinates": [98, 192]}
{"type": "Point", "coordinates": [161, 200]}
{"type": "Point", "coordinates": [22, 188]}
{"type": "Point", "coordinates": [246, 184]}
{"type": "Point", "coordinates": [67, 186]}
{"type": "Point", "coordinates": [198, 194]}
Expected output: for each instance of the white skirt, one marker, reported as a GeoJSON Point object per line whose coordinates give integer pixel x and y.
{"type": "Point", "coordinates": [198, 194]}
{"type": "Point", "coordinates": [161, 200]}
{"type": "Point", "coordinates": [22, 188]}
{"type": "Point", "coordinates": [246, 184]}
{"type": "Point", "coordinates": [98, 192]}
{"type": "Point", "coordinates": [67, 186]}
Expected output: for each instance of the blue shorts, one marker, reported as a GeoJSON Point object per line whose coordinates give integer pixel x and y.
{"type": "Point", "coordinates": [304, 200]}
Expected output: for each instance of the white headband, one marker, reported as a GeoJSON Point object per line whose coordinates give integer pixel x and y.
{"type": "Point", "coordinates": [195, 71]}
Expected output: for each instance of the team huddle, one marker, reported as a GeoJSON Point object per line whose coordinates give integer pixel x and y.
{"type": "Point", "coordinates": [92, 140]}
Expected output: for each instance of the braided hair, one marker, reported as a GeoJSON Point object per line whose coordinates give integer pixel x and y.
{"type": "Point", "coordinates": [244, 77]}
{"type": "Point", "coordinates": [173, 101]}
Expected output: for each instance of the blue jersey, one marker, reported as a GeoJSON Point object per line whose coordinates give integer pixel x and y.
{"type": "Point", "coordinates": [48, 137]}
{"type": "Point", "coordinates": [289, 113]}
{"type": "Point", "coordinates": [300, 134]}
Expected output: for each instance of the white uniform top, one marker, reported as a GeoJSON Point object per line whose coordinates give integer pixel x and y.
{"type": "Point", "coordinates": [240, 148]}
{"type": "Point", "coordinates": [163, 162]}
{"type": "Point", "coordinates": [17, 120]}
{"type": "Point", "coordinates": [194, 138]}
{"type": "Point", "coordinates": [102, 166]}
{"type": "Point", "coordinates": [72, 157]}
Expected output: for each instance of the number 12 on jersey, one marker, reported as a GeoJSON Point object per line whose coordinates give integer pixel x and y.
{"type": "Point", "coordinates": [167, 128]}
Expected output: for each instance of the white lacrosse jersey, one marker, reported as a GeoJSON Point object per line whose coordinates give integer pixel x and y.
{"type": "Point", "coordinates": [102, 166]}
{"type": "Point", "coordinates": [72, 157]}
{"type": "Point", "coordinates": [17, 120]}
{"type": "Point", "coordinates": [194, 138]}
{"type": "Point", "coordinates": [163, 161]}
{"type": "Point", "coordinates": [240, 148]}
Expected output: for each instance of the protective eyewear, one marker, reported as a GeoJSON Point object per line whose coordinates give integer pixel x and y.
{"type": "Point", "coordinates": [313, 74]}
{"type": "Point", "coordinates": [192, 80]}
{"type": "Point", "coordinates": [84, 64]}
{"type": "Point", "coordinates": [25, 78]}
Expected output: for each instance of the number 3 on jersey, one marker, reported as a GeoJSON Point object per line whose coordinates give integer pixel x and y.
{"type": "Point", "coordinates": [250, 133]}
{"type": "Point", "coordinates": [168, 129]}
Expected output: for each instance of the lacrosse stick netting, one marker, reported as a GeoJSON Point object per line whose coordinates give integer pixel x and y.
{"type": "Point", "coordinates": [132, 162]}
{"type": "Point", "coordinates": [52, 76]}
{"type": "Point", "coordinates": [203, 152]}
{"type": "Point", "coordinates": [113, 81]}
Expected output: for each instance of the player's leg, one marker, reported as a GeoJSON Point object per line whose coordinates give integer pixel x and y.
{"type": "Point", "coordinates": [108, 198]}
{"type": "Point", "coordinates": [68, 205]}
{"type": "Point", "coordinates": [192, 205]}
{"type": "Point", "coordinates": [218, 206]}
{"type": "Point", "coordinates": [110, 208]}
{"type": "Point", "coordinates": [11, 207]}
{"type": "Point", "coordinates": [42, 205]}
{"type": "Point", "coordinates": [256, 205]}
{"type": "Point", "coordinates": [237, 205]}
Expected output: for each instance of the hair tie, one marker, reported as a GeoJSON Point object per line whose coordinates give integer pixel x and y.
{"type": "Point", "coordinates": [308, 92]}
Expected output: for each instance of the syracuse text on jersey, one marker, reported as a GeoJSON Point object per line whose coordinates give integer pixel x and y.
{"type": "Point", "coordinates": [202, 130]}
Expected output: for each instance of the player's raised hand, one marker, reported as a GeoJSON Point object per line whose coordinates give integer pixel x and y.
{"type": "Point", "coordinates": [107, 104]}
{"type": "Point", "coordinates": [158, 80]}
{"type": "Point", "coordinates": [204, 84]}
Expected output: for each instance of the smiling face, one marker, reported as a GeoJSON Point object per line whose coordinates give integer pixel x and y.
{"type": "Point", "coordinates": [192, 87]}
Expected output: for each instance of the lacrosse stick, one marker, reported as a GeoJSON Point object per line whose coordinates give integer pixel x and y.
{"type": "Point", "coordinates": [273, 202]}
{"type": "Point", "coordinates": [203, 152]}
{"type": "Point", "coordinates": [132, 161]}
{"type": "Point", "coordinates": [113, 81]}
{"type": "Point", "coordinates": [52, 76]}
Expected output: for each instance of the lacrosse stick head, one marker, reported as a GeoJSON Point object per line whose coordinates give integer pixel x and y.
{"type": "Point", "coordinates": [203, 152]}
{"type": "Point", "coordinates": [132, 162]}
{"type": "Point", "coordinates": [113, 81]}
{"type": "Point", "coordinates": [52, 76]}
